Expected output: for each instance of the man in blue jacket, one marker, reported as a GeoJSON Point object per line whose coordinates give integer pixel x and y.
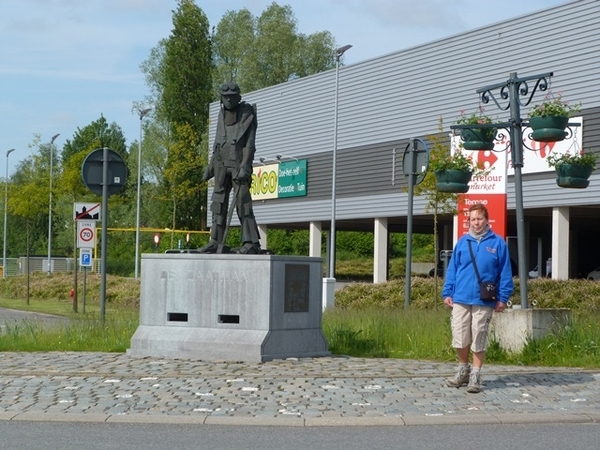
{"type": "Point", "coordinates": [471, 315]}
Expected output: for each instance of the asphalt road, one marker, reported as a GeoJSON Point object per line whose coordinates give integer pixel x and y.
{"type": "Point", "coordinates": [94, 436]}
{"type": "Point", "coordinates": [10, 317]}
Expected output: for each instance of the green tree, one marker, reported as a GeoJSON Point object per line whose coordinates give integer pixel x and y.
{"type": "Point", "coordinates": [70, 189]}
{"type": "Point", "coordinates": [232, 43]}
{"type": "Point", "coordinates": [182, 179]}
{"type": "Point", "coordinates": [182, 72]}
{"type": "Point", "coordinates": [268, 50]}
{"type": "Point", "coordinates": [28, 200]}
{"type": "Point", "coordinates": [179, 73]}
{"type": "Point", "coordinates": [98, 134]}
{"type": "Point", "coordinates": [187, 69]}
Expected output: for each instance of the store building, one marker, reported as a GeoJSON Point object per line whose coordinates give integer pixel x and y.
{"type": "Point", "coordinates": [385, 101]}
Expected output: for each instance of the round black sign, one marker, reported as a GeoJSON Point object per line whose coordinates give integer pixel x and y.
{"type": "Point", "coordinates": [419, 159]}
{"type": "Point", "coordinates": [91, 171]}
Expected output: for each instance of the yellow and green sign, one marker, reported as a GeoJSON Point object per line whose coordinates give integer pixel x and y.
{"type": "Point", "coordinates": [280, 180]}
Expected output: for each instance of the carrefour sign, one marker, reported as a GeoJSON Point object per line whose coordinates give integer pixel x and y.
{"type": "Point", "coordinates": [280, 180]}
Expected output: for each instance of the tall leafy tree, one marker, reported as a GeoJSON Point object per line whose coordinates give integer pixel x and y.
{"type": "Point", "coordinates": [98, 134]}
{"type": "Point", "coordinates": [28, 201]}
{"type": "Point", "coordinates": [232, 44]}
{"type": "Point", "coordinates": [268, 50]}
{"type": "Point", "coordinates": [70, 188]}
{"type": "Point", "coordinates": [187, 68]}
{"type": "Point", "coordinates": [179, 72]}
{"type": "Point", "coordinates": [182, 73]}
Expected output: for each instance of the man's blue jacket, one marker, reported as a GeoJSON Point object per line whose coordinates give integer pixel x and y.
{"type": "Point", "coordinates": [493, 262]}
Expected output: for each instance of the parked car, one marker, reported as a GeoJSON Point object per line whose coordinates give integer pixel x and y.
{"type": "Point", "coordinates": [594, 274]}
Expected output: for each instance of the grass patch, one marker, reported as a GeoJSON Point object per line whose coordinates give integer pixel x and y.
{"type": "Point", "coordinates": [376, 332]}
{"type": "Point", "coordinates": [369, 319]}
{"type": "Point", "coordinates": [389, 333]}
{"type": "Point", "coordinates": [78, 335]}
{"type": "Point", "coordinates": [81, 331]}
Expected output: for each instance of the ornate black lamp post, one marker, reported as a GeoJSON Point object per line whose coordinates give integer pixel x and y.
{"type": "Point", "coordinates": [514, 93]}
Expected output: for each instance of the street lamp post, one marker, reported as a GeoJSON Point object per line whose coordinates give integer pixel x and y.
{"type": "Point", "coordinates": [338, 54]}
{"type": "Point", "coordinates": [50, 205]}
{"type": "Point", "coordinates": [5, 214]}
{"type": "Point", "coordinates": [514, 93]}
{"type": "Point", "coordinates": [142, 112]}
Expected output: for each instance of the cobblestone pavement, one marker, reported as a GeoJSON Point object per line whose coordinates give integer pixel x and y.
{"type": "Point", "coordinates": [328, 391]}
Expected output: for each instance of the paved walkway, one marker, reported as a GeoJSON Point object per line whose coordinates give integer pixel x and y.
{"type": "Point", "coordinates": [329, 391]}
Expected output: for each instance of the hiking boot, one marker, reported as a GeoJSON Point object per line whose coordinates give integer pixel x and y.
{"type": "Point", "coordinates": [211, 247]}
{"type": "Point", "coordinates": [461, 377]}
{"type": "Point", "coordinates": [474, 386]}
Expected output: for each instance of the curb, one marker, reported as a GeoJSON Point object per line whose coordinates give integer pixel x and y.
{"type": "Point", "coordinates": [256, 421]}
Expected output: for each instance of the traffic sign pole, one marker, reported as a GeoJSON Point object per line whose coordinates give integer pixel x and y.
{"type": "Point", "coordinates": [113, 171]}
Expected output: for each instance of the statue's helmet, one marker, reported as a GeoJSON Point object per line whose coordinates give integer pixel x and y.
{"type": "Point", "coordinates": [230, 88]}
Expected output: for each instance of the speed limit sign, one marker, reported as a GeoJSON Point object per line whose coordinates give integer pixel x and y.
{"type": "Point", "coordinates": [86, 234]}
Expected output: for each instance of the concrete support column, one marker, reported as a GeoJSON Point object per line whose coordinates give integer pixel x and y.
{"type": "Point", "coordinates": [315, 236]}
{"type": "Point", "coordinates": [380, 260]}
{"type": "Point", "coordinates": [447, 238]}
{"type": "Point", "coordinates": [262, 231]}
{"type": "Point", "coordinates": [560, 243]}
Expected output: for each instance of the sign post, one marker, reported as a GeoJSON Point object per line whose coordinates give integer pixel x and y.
{"type": "Point", "coordinates": [414, 164]}
{"type": "Point", "coordinates": [104, 173]}
{"type": "Point", "coordinates": [85, 237]}
{"type": "Point", "coordinates": [85, 261]}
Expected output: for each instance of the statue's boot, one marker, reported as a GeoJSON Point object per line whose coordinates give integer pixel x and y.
{"type": "Point", "coordinates": [249, 248]}
{"type": "Point", "coordinates": [211, 247]}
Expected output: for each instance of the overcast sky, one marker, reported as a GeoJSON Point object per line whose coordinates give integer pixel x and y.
{"type": "Point", "coordinates": [63, 63]}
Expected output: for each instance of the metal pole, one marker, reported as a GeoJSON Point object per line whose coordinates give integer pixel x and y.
{"type": "Point", "coordinates": [517, 161]}
{"type": "Point", "coordinates": [517, 86]}
{"type": "Point", "coordinates": [103, 245]}
{"type": "Point", "coordinates": [50, 205]}
{"type": "Point", "coordinates": [338, 54]}
{"type": "Point", "coordinates": [139, 178]}
{"type": "Point", "coordinates": [409, 221]}
{"type": "Point", "coordinates": [5, 214]}
{"type": "Point", "coordinates": [84, 286]}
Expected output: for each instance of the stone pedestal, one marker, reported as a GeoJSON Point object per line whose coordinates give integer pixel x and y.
{"type": "Point", "coordinates": [514, 327]}
{"type": "Point", "coordinates": [230, 307]}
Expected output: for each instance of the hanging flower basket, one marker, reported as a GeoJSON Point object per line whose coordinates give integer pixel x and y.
{"type": "Point", "coordinates": [549, 119]}
{"type": "Point", "coordinates": [548, 128]}
{"type": "Point", "coordinates": [453, 181]}
{"type": "Point", "coordinates": [573, 176]}
{"type": "Point", "coordinates": [573, 170]}
{"type": "Point", "coordinates": [478, 138]}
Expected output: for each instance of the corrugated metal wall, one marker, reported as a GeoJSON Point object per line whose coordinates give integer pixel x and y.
{"type": "Point", "coordinates": [387, 100]}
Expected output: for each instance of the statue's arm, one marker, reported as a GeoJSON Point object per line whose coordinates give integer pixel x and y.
{"type": "Point", "coordinates": [209, 172]}
{"type": "Point", "coordinates": [245, 170]}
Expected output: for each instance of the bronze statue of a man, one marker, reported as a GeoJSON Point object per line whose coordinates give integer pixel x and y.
{"type": "Point", "coordinates": [231, 167]}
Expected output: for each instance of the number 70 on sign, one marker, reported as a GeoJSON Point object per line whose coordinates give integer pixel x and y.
{"type": "Point", "coordinates": [86, 234]}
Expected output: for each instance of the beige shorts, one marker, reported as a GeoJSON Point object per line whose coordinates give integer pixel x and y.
{"type": "Point", "coordinates": [470, 325]}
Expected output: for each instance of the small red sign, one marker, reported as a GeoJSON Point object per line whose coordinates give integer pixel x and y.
{"type": "Point", "coordinates": [496, 206]}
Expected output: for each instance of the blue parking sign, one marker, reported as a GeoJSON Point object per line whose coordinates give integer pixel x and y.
{"type": "Point", "coordinates": [85, 257]}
